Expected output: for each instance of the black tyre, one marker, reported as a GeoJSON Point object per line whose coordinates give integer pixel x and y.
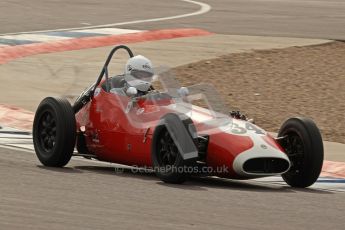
{"type": "Point", "coordinates": [304, 147]}
{"type": "Point", "coordinates": [54, 132]}
{"type": "Point", "coordinates": [167, 161]}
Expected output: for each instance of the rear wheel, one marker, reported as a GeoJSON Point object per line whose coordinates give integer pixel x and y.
{"type": "Point", "coordinates": [54, 132]}
{"type": "Point", "coordinates": [303, 144]}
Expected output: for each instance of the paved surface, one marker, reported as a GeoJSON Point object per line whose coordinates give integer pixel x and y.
{"type": "Point", "coordinates": [293, 18]}
{"type": "Point", "coordinates": [21, 16]}
{"type": "Point", "coordinates": [94, 196]}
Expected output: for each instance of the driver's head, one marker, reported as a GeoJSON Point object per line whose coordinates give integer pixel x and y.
{"type": "Point", "coordinates": [139, 72]}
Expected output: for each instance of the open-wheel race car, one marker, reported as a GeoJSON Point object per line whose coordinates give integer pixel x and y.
{"type": "Point", "coordinates": [162, 130]}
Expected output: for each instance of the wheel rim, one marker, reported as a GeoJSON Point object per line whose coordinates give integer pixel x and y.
{"type": "Point", "coordinates": [47, 131]}
{"type": "Point", "coordinates": [168, 151]}
{"type": "Point", "coordinates": [294, 148]}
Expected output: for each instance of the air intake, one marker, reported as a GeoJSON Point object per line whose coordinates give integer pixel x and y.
{"type": "Point", "coordinates": [266, 165]}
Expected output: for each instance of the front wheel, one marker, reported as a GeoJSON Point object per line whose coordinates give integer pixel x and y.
{"type": "Point", "coordinates": [302, 142]}
{"type": "Point", "coordinates": [54, 132]}
{"type": "Point", "coordinates": [168, 162]}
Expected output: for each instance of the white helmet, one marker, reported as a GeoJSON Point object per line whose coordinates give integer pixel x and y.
{"type": "Point", "coordinates": [139, 72]}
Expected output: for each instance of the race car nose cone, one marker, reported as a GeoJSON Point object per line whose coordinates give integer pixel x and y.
{"type": "Point", "coordinates": [261, 160]}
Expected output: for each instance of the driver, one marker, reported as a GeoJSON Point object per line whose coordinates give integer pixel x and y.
{"type": "Point", "coordinates": [138, 74]}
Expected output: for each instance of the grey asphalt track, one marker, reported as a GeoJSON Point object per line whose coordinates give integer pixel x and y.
{"type": "Point", "coordinates": [93, 196]}
{"type": "Point", "coordinates": [22, 15]}
{"type": "Point", "coordinates": [292, 18]}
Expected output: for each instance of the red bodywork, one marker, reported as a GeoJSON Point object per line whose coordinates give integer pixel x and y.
{"type": "Point", "coordinates": [113, 138]}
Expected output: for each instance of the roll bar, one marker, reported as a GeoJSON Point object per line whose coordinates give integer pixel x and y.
{"type": "Point", "coordinates": [85, 98]}
{"type": "Point", "coordinates": [105, 67]}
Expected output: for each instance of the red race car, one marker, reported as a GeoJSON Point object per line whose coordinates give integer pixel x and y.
{"type": "Point", "coordinates": [165, 132]}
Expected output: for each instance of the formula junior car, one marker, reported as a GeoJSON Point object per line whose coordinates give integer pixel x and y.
{"type": "Point", "coordinates": [176, 139]}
